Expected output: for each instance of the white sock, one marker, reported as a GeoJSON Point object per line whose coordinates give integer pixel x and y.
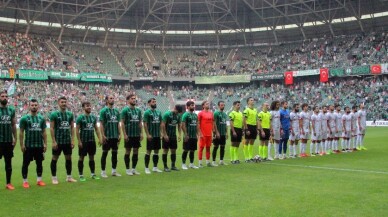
{"type": "Point", "coordinates": [25, 180]}
{"type": "Point", "coordinates": [301, 148]}
{"type": "Point", "coordinates": [311, 147]}
{"type": "Point", "coordinates": [68, 176]}
{"type": "Point", "coordinates": [290, 150]}
{"type": "Point", "coordinates": [39, 178]}
{"type": "Point", "coordinates": [207, 161]}
{"type": "Point", "coordinates": [317, 146]}
{"type": "Point", "coordinates": [295, 149]}
{"type": "Point", "coordinates": [276, 149]}
{"type": "Point", "coordinates": [113, 170]}
{"type": "Point", "coordinates": [269, 149]}
{"type": "Point", "coordinates": [200, 162]}
{"type": "Point", "coordinates": [362, 140]}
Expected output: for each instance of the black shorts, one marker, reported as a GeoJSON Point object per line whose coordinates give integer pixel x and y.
{"type": "Point", "coordinates": [238, 138]}
{"type": "Point", "coordinates": [154, 144]}
{"type": "Point", "coordinates": [88, 148]}
{"type": "Point", "coordinates": [133, 142]}
{"type": "Point", "coordinates": [219, 141]}
{"type": "Point", "coordinates": [110, 144]}
{"type": "Point", "coordinates": [6, 150]}
{"type": "Point", "coordinates": [253, 132]}
{"type": "Point", "coordinates": [31, 154]}
{"type": "Point", "coordinates": [267, 133]}
{"type": "Point", "coordinates": [66, 148]}
{"type": "Point", "coordinates": [190, 145]}
{"type": "Point", "coordinates": [171, 144]}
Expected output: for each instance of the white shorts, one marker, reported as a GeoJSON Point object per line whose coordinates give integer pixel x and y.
{"type": "Point", "coordinates": [346, 134]}
{"type": "Point", "coordinates": [317, 137]}
{"type": "Point", "coordinates": [276, 134]}
{"type": "Point", "coordinates": [332, 134]}
{"type": "Point", "coordinates": [306, 135]}
{"type": "Point", "coordinates": [362, 132]}
{"type": "Point", "coordinates": [339, 134]}
{"type": "Point", "coordinates": [354, 133]}
{"type": "Point", "coordinates": [294, 137]}
{"type": "Point", "coordinates": [325, 135]}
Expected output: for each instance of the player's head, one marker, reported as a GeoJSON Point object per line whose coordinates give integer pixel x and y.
{"type": "Point", "coordinates": [221, 105]}
{"type": "Point", "coordinates": [362, 105]}
{"type": "Point", "coordinates": [316, 109]}
{"type": "Point", "coordinates": [109, 100]}
{"type": "Point", "coordinates": [250, 101]}
{"type": "Point", "coordinates": [236, 105]}
{"type": "Point", "coordinates": [34, 105]}
{"type": "Point", "coordinates": [347, 109]}
{"type": "Point", "coordinates": [4, 97]}
{"type": "Point", "coordinates": [331, 108]}
{"type": "Point", "coordinates": [265, 106]}
{"type": "Point", "coordinates": [296, 107]}
{"type": "Point", "coordinates": [152, 103]}
{"type": "Point", "coordinates": [62, 102]}
{"type": "Point", "coordinates": [177, 109]}
{"type": "Point", "coordinates": [284, 104]}
{"type": "Point", "coordinates": [190, 105]}
{"type": "Point", "coordinates": [87, 107]}
{"type": "Point", "coordinates": [205, 105]}
{"type": "Point", "coordinates": [354, 108]}
{"type": "Point", "coordinates": [338, 108]}
{"type": "Point", "coordinates": [324, 109]}
{"type": "Point", "coordinates": [131, 99]}
{"type": "Point", "coordinates": [275, 105]}
{"type": "Point", "coordinates": [305, 107]}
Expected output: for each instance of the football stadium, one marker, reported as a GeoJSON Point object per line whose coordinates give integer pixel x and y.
{"type": "Point", "coordinates": [193, 107]}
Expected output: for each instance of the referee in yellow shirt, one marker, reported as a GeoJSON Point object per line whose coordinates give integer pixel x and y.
{"type": "Point", "coordinates": [251, 128]}
{"type": "Point", "coordinates": [265, 130]}
{"type": "Point", "coordinates": [236, 125]}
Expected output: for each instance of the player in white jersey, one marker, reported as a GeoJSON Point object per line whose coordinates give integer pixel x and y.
{"type": "Point", "coordinates": [295, 131]}
{"type": "Point", "coordinates": [352, 145]}
{"type": "Point", "coordinates": [332, 130]}
{"type": "Point", "coordinates": [305, 129]}
{"type": "Point", "coordinates": [338, 135]}
{"type": "Point", "coordinates": [316, 133]}
{"type": "Point", "coordinates": [361, 128]}
{"type": "Point", "coordinates": [275, 129]}
{"type": "Point", "coordinates": [325, 130]}
{"type": "Point", "coordinates": [346, 128]}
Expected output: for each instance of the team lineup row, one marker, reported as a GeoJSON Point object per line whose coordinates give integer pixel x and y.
{"type": "Point", "coordinates": [275, 123]}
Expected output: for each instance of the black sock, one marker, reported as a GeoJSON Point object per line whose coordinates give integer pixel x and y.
{"type": "Point", "coordinates": [222, 152]}
{"type": "Point", "coordinates": [184, 156]}
{"type": "Point", "coordinates": [8, 169]}
{"type": "Point", "coordinates": [39, 168]}
{"type": "Point", "coordinates": [126, 161]}
{"type": "Point", "coordinates": [114, 159]}
{"type": "Point", "coordinates": [215, 152]}
{"type": "Point", "coordinates": [191, 156]}
{"type": "Point", "coordinates": [173, 159]}
{"type": "Point", "coordinates": [92, 166]}
{"type": "Point", "coordinates": [103, 160]}
{"type": "Point", "coordinates": [68, 167]}
{"type": "Point", "coordinates": [135, 157]}
{"type": "Point", "coordinates": [26, 163]}
{"type": "Point", "coordinates": [146, 160]}
{"type": "Point", "coordinates": [81, 167]}
{"type": "Point", "coordinates": [155, 159]}
{"type": "Point", "coordinates": [164, 158]}
{"type": "Point", "coordinates": [53, 167]}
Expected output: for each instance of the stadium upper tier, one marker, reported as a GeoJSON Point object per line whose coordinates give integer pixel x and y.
{"type": "Point", "coordinates": [29, 52]}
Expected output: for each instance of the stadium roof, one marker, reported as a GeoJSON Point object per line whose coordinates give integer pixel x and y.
{"type": "Point", "coordinates": [188, 18]}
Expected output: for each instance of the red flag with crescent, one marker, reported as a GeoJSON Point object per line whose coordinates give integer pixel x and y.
{"type": "Point", "coordinates": [288, 77]}
{"type": "Point", "coordinates": [375, 69]}
{"type": "Point", "coordinates": [324, 75]}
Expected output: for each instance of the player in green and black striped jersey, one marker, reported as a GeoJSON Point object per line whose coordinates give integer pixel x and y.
{"type": "Point", "coordinates": [151, 121]}
{"type": "Point", "coordinates": [7, 136]}
{"type": "Point", "coordinates": [220, 118]}
{"type": "Point", "coordinates": [33, 142]}
{"type": "Point", "coordinates": [131, 125]}
{"type": "Point", "coordinates": [110, 134]}
{"type": "Point", "coordinates": [189, 128]}
{"type": "Point", "coordinates": [62, 135]}
{"type": "Point", "coordinates": [86, 125]}
{"type": "Point", "coordinates": [171, 120]}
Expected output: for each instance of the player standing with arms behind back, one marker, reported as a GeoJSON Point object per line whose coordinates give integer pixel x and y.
{"type": "Point", "coordinates": [7, 136]}
{"type": "Point", "coordinates": [275, 128]}
{"type": "Point", "coordinates": [62, 136]}
{"type": "Point", "coordinates": [205, 129]}
{"type": "Point", "coordinates": [265, 128]}
{"type": "Point", "coordinates": [305, 129]}
{"type": "Point", "coordinates": [33, 142]}
{"type": "Point", "coordinates": [285, 127]}
{"type": "Point", "coordinates": [361, 127]}
{"type": "Point", "coordinates": [295, 130]}
{"type": "Point", "coordinates": [189, 128]}
{"type": "Point", "coordinates": [220, 119]}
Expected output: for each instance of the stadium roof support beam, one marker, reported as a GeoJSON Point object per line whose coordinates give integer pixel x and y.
{"type": "Point", "coordinates": [81, 12]}
{"type": "Point", "coordinates": [257, 13]}
{"type": "Point", "coordinates": [214, 22]}
{"type": "Point", "coordinates": [4, 5]}
{"type": "Point", "coordinates": [43, 10]}
{"type": "Point", "coordinates": [138, 31]}
{"type": "Point", "coordinates": [129, 6]}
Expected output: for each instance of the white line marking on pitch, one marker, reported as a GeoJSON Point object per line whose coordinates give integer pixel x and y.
{"type": "Point", "coordinates": [328, 168]}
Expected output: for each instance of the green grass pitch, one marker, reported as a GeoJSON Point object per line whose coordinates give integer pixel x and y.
{"type": "Point", "coordinates": [348, 184]}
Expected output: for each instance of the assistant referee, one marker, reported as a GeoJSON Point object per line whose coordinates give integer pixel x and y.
{"type": "Point", "coordinates": [265, 130]}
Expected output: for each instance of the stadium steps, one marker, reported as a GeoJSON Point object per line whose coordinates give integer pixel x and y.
{"type": "Point", "coordinates": [60, 56]}
{"type": "Point", "coordinates": [117, 60]}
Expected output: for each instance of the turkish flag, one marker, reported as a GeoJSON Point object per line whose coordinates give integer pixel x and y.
{"type": "Point", "coordinates": [324, 75]}
{"type": "Point", "coordinates": [288, 77]}
{"type": "Point", "coordinates": [375, 69]}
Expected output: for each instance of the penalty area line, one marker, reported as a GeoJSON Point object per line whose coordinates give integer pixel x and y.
{"type": "Point", "coordinates": [328, 168]}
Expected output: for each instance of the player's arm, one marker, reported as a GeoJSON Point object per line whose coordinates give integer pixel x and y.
{"type": "Point", "coordinates": [77, 129]}
{"type": "Point", "coordinates": [97, 132]}
{"type": "Point", "coordinates": [145, 125]}
{"type": "Point", "coordinates": [343, 124]}
{"type": "Point", "coordinates": [102, 127]}
{"type": "Point", "coordinates": [118, 127]}
{"type": "Point", "coordinates": [179, 130]}
{"type": "Point", "coordinates": [52, 131]}
{"type": "Point", "coordinates": [313, 125]}
{"type": "Point", "coordinates": [232, 127]}
{"type": "Point", "coordinates": [72, 132]}
{"type": "Point", "coordinates": [301, 125]}
{"type": "Point", "coordinates": [199, 132]}
{"type": "Point", "coordinates": [184, 128]}
{"type": "Point", "coordinates": [21, 134]}
{"type": "Point", "coordinates": [245, 126]}
{"type": "Point", "coordinates": [141, 126]}
{"type": "Point", "coordinates": [259, 126]}
{"type": "Point", "coordinates": [163, 126]}
{"type": "Point", "coordinates": [359, 121]}
{"type": "Point", "coordinates": [44, 135]}
{"type": "Point", "coordinates": [123, 120]}
{"type": "Point", "coordinates": [215, 128]}
{"type": "Point", "coordinates": [14, 131]}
